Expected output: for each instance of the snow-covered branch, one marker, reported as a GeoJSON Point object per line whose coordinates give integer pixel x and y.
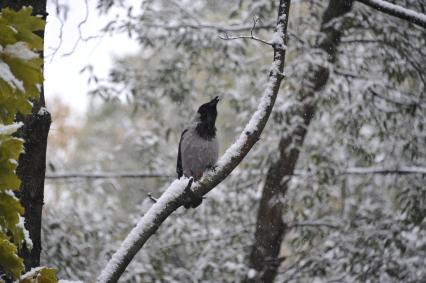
{"type": "Point", "coordinates": [175, 194]}
{"type": "Point", "coordinates": [397, 11]}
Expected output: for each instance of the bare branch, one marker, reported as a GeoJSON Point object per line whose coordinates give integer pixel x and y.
{"type": "Point", "coordinates": [362, 41]}
{"type": "Point", "coordinates": [397, 11]}
{"type": "Point", "coordinates": [185, 11]}
{"type": "Point", "coordinates": [80, 32]}
{"type": "Point", "coordinates": [408, 104]}
{"type": "Point", "coordinates": [61, 18]}
{"type": "Point", "coordinates": [223, 29]}
{"type": "Point", "coordinates": [86, 16]}
{"type": "Point", "coordinates": [313, 224]}
{"type": "Point", "coordinates": [297, 37]}
{"type": "Point", "coordinates": [173, 197]}
{"type": "Point", "coordinates": [154, 200]}
{"type": "Point", "coordinates": [226, 36]}
{"type": "Point", "coordinates": [218, 28]}
{"type": "Point", "coordinates": [350, 74]}
{"type": "Point", "coordinates": [403, 170]}
{"type": "Point", "coordinates": [106, 175]}
{"type": "Point", "coordinates": [223, 236]}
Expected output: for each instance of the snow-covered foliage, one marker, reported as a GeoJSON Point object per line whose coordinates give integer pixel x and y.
{"type": "Point", "coordinates": [341, 226]}
{"type": "Point", "coordinates": [20, 72]}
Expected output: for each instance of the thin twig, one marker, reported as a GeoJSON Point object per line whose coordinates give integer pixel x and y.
{"type": "Point", "coordinates": [106, 175]}
{"type": "Point", "coordinates": [394, 101]}
{"type": "Point", "coordinates": [223, 236]}
{"type": "Point", "coordinates": [208, 26]}
{"type": "Point", "coordinates": [312, 224]}
{"type": "Point", "coordinates": [61, 29]}
{"type": "Point", "coordinates": [154, 200]}
{"type": "Point", "coordinates": [226, 36]}
{"type": "Point", "coordinates": [402, 170]}
{"type": "Point", "coordinates": [221, 29]}
{"type": "Point", "coordinates": [185, 11]}
{"type": "Point", "coordinates": [80, 32]}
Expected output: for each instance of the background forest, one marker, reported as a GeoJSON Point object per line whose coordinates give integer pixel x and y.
{"type": "Point", "coordinates": [335, 189]}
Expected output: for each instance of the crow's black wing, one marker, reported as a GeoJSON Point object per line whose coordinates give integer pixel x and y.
{"type": "Point", "coordinates": [179, 168]}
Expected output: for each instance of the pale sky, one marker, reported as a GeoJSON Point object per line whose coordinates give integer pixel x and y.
{"type": "Point", "coordinates": [62, 74]}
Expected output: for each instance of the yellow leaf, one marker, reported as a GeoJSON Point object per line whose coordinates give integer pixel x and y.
{"type": "Point", "coordinates": [10, 262]}
{"type": "Point", "coordinates": [40, 275]}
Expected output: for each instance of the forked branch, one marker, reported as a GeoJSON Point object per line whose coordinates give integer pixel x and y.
{"type": "Point", "coordinates": [226, 36]}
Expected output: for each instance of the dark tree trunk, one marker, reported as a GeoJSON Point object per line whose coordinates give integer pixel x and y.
{"type": "Point", "coordinates": [39, 6]}
{"type": "Point", "coordinates": [270, 228]}
{"type": "Point", "coordinates": [32, 164]}
{"type": "Point", "coordinates": [31, 171]}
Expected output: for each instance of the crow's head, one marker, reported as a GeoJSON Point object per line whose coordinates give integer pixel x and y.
{"type": "Point", "coordinates": [207, 114]}
{"type": "Point", "coordinates": [208, 111]}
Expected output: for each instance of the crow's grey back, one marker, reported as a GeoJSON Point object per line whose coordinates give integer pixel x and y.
{"type": "Point", "coordinates": [197, 153]}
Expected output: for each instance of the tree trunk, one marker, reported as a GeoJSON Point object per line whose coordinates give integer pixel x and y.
{"type": "Point", "coordinates": [270, 228]}
{"type": "Point", "coordinates": [32, 164]}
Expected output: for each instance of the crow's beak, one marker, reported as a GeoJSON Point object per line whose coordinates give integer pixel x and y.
{"type": "Point", "coordinates": [215, 100]}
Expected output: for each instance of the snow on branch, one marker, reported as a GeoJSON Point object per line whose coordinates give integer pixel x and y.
{"type": "Point", "coordinates": [176, 193]}
{"type": "Point", "coordinates": [397, 11]}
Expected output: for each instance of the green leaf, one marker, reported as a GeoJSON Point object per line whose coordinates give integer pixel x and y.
{"type": "Point", "coordinates": [24, 24]}
{"type": "Point", "coordinates": [10, 149]}
{"type": "Point", "coordinates": [29, 72]}
{"type": "Point", "coordinates": [10, 262]}
{"type": "Point", "coordinates": [40, 275]}
{"type": "Point", "coordinates": [10, 208]}
{"type": "Point", "coordinates": [20, 78]}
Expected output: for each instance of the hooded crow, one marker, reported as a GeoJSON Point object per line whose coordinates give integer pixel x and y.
{"type": "Point", "coordinates": [198, 146]}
